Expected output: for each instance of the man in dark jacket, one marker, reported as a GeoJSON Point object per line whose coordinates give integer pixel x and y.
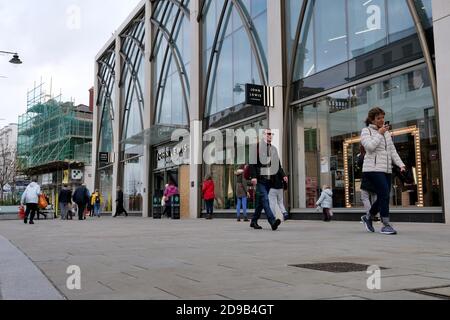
{"type": "Point", "coordinates": [120, 208]}
{"type": "Point", "coordinates": [65, 200]}
{"type": "Point", "coordinates": [81, 197]}
{"type": "Point", "coordinates": [267, 165]}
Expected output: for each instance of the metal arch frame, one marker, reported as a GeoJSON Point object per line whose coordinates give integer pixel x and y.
{"type": "Point", "coordinates": [162, 32]}
{"type": "Point", "coordinates": [214, 52]}
{"type": "Point", "coordinates": [287, 108]}
{"type": "Point", "coordinates": [220, 32]}
{"type": "Point", "coordinates": [180, 66]}
{"type": "Point", "coordinates": [431, 73]}
{"type": "Point", "coordinates": [107, 79]}
{"type": "Point", "coordinates": [425, 49]}
{"type": "Point", "coordinates": [254, 39]}
{"type": "Point", "coordinates": [423, 43]}
{"type": "Point", "coordinates": [129, 53]}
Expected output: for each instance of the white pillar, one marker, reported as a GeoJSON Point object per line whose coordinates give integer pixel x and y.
{"type": "Point", "coordinates": [147, 111]}
{"type": "Point", "coordinates": [196, 148]}
{"type": "Point", "coordinates": [441, 17]}
{"type": "Point", "coordinates": [275, 59]}
{"type": "Point", "coordinates": [118, 113]}
{"type": "Point", "coordinates": [95, 130]}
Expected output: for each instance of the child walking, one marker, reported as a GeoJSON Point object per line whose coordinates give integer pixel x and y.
{"type": "Point", "coordinates": [326, 203]}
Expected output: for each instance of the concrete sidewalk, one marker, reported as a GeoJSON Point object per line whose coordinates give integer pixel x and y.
{"type": "Point", "coordinates": [20, 279]}
{"type": "Point", "coordinates": [135, 258]}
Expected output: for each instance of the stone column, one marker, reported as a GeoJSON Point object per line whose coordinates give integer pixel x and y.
{"type": "Point", "coordinates": [441, 22]}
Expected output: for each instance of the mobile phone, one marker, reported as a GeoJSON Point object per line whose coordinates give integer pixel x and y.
{"type": "Point", "coordinates": [388, 123]}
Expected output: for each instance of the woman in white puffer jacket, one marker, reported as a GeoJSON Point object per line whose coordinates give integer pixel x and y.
{"type": "Point", "coordinates": [381, 154]}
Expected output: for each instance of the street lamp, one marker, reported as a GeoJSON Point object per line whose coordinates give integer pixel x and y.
{"type": "Point", "coordinates": [15, 59]}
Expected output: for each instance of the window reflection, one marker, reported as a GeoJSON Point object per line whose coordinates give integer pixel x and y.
{"type": "Point", "coordinates": [323, 126]}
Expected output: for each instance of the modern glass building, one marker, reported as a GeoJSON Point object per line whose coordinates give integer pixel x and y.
{"type": "Point", "coordinates": [181, 66]}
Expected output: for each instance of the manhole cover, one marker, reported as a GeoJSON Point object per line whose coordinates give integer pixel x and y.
{"type": "Point", "coordinates": [438, 292]}
{"type": "Point", "coordinates": [335, 267]}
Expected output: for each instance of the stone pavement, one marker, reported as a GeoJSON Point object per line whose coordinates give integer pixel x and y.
{"type": "Point", "coordinates": [135, 258]}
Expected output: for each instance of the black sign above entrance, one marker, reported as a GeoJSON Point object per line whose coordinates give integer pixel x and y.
{"type": "Point", "coordinates": [104, 157]}
{"type": "Point", "coordinates": [257, 95]}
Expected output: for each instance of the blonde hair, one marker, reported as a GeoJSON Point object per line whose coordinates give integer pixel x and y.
{"type": "Point", "coordinates": [325, 187]}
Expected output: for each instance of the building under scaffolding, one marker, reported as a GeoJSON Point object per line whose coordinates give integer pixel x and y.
{"type": "Point", "coordinates": [54, 142]}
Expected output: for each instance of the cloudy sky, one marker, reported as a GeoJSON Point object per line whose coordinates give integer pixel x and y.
{"type": "Point", "coordinates": [56, 39]}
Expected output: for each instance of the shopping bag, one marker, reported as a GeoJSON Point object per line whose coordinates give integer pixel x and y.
{"type": "Point", "coordinates": [21, 213]}
{"type": "Point", "coordinates": [42, 202]}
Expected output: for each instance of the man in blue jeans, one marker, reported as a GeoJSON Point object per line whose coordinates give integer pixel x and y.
{"type": "Point", "coordinates": [267, 165]}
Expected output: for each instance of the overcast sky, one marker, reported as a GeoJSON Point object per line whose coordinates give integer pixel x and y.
{"type": "Point", "coordinates": [56, 39]}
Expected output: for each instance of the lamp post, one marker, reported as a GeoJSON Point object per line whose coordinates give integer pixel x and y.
{"type": "Point", "coordinates": [15, 59]}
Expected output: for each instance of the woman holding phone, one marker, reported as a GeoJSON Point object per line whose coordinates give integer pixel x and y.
{"type": "Point", "coordinates": [380, 156]}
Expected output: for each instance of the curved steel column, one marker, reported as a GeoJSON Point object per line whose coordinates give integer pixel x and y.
{"type": "Point", "coordinates": [287, 107]}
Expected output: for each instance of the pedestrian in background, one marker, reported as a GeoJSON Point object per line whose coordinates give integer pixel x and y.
{"type": "Point", "coordinates": [326, 203]}
{"type": "Point", "coordinates": [119, 201]}
{"type": "Point", "coordinates": [65, 201]}
{"type": "Point", "coordinates": [170, 191]}
{"type": "Point", "coordinates": [209, 196]}
{"type": "Point", "coordinates": [242, 194]}
{"type": "Point", "coordinates": [96, 202]}
{"type": "Point", "coordinates": [30, 198]}
{"type": "Point", "coordinates": [81, 197]}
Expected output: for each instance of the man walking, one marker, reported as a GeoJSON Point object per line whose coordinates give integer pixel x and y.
{"type": "Point", "coordinates": [81, 197]}
{"type": "Point", "coordinates": [65, 200]}
{"type": "Point", "coordinates": [31, 199]}
{"type": "Point", "coordinates": [120, 208]}
{"type": "Point", "coordinates": [267, 165]}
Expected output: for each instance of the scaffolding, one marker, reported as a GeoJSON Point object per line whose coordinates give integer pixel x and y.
{"type": "Point", "coordinates": [53, 131]}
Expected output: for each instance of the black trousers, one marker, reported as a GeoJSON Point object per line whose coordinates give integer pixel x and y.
{"type": "Point", "coordinates": [81, 208]}
{"type": "Point", "coordinates": [120, 209]}
{"type": "Point", "coordinates": [32, 208]}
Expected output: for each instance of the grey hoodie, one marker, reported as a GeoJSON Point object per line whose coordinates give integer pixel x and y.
{"type": "Point", "coordinates": [326, 199]}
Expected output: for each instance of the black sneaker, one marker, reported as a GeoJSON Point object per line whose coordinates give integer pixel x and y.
{"type": "Point", "coordinates": [368, 224]}
{"type": "Point", "coordinates": [238, 220]}
{"type": "Point", "coordinates": [31, 222]}
{"type": "Point", "coordinates": [25, 221]}
{"type": "Point", "coordinates": [255, 226]}
{"type": "Point", "coordinates": [246, 220]}
{"type": "Point", "coordinates": [276, 224]}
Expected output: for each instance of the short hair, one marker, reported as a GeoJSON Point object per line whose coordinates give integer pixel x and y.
{"type": "Point", "coordinates": [373, 113]}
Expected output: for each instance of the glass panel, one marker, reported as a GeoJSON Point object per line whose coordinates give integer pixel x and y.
{"type": "Point", "coordinates": [401, 24]}
{"type": "Point", "coordinates": [242, 65]}
{"type": "Point", "coordinates": [367, 26]}
{"type": "Point", "coordinates": [133, 184]}
{"type": "Point", "coordinates": [293, 8]}
{"type": "Point", "coordinates": [330, 33]}
{"type": "Point", "coordinates": [305, 61]}
{"type": "Point", "coordinates": [105, 184]}
{"type": "Point", "coordinates": [225, 76]}
{"type": "Point", "coordinates": [324, 125]}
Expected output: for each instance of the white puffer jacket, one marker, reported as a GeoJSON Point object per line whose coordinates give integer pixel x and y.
{"type": "Point", "coordinates": [380, 151]}
{"type": "Point", "coordinates": [31, 194]}
{"type": "Point", "coordinates": [326, 199]}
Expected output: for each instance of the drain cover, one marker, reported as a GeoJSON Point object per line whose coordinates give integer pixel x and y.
{"type": "Point", "coordinates": [335, 267]}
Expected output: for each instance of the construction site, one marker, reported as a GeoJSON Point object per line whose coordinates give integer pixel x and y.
{"type": "Point", "coordinates": [54, 142]}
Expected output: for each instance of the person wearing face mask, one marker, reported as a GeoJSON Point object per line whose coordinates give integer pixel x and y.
{"type": "Point", "coordinates": [380, 156]}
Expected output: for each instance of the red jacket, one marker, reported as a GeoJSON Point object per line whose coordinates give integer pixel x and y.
{"type": "Point", "coordinates": [208, 190]}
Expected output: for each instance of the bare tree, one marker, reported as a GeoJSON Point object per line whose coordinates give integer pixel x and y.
{"type": "Point", "coordinates": [8, 165]}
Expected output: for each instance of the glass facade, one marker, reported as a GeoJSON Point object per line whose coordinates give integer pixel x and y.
{"type": "Point", "coordinates": [105, 100]}
{"type": "Point", "coordinates": [226, 161]}
{"type": "Point", "coordinates": [239, 54]}
{"type": "Point", "coordinates": [327, 145]}
{"type": "Point", "coordinates": [171, 57]}
{"type": "Point", "coordinates": [132, 53]}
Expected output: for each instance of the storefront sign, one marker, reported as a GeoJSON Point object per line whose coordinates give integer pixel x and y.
{"type": "Point", "coordinates": [167, 157]}
{"type": "Point", "coordinates": [259, 95]}
{"type": "Point", "coordinates": [104, 157]}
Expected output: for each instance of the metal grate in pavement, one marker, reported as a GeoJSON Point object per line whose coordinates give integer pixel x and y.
{"type": "Point", "coordinates": [335, 267]}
